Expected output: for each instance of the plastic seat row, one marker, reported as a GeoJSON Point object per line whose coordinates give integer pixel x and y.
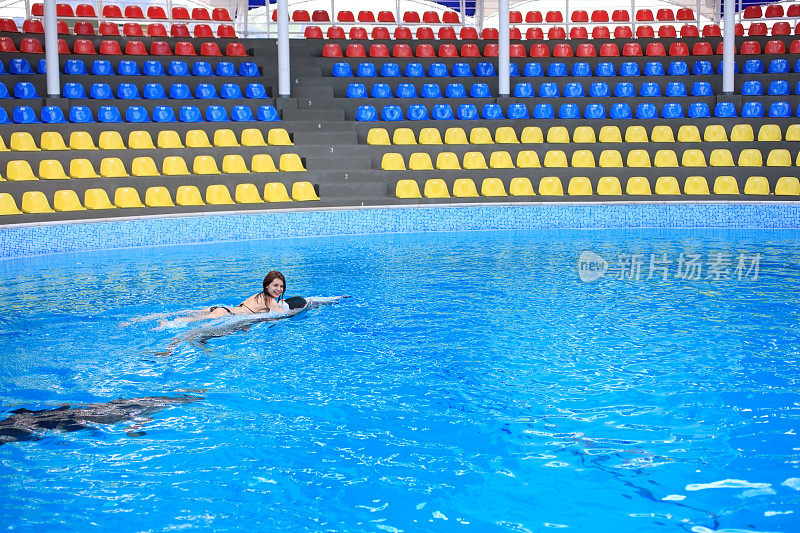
{"type": "Point", "coordinates": [162, 113]}
{"type": "Point", "coordinates": [130, 29]}
{"type": "Point", "coordinates": [411, 17]}
{"type": "Point", "coordinates": [133, 12]}
{"type": "Point", "coordinates": [771, 11]}
{"type": "Point", "coordinates": [127, 67]}
{"type": "Point", "coordinates": [31, 45]}
{"type": "Point", "coordinates": [775, 88]}
{"type": "Point", "coordinates": [130, 91]}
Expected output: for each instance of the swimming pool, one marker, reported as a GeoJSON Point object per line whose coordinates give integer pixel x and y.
{"type": "Point", "coordinates": [472, 382]}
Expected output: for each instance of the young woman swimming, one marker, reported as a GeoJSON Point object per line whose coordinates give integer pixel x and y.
{"type": "Point", "coordinates": [270, 299]}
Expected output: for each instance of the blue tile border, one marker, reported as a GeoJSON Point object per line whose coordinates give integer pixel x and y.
{"type": "Point", "coordinates": [37, 239]}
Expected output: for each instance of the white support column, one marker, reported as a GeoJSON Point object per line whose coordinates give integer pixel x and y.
{"type": "Point", "coordinates": [51, 49]}
{"type": "Point", "coordinates": [284, 82]}
{"type": "Point", "coordinates": [503, 58]}
{"type": "Point", "coordinates": [697, 14]}
{"type": "Point", "coordinates": [566, 16]}
{"type": "Point", "coordinates": [462, 10]}
{"type": "Point", "coordinates": [633, 17]}
{"type": "Point", "coordinates": [728, 47]}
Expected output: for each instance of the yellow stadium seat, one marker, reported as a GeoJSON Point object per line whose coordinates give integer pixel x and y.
{"type": "Point", "coordinates": [750, 157]}
{"type": "Point", "coordinates": [665, 159]}
{"type": "Point", "coordinates": [276, 192]}
{"type": "Point", "coordinates": [188, 195]}
{"type": "Point", "coordinates": [505, 135]}
{"type": "Point", "coordinates": [667, 185]}
{"type": "Point", "coordinates": [262, 163]}
{"type": "Point", "coordinates": [35, 202]}
{"type": "Point", "coordinates": [205, 164]}
{"type": "Point", "coordinates": [793, 132]}
{"type": "Point", "coordinates": [291, 163]}
{"type": "Point", "coordinates": [583, 134]}
{"type": "Point", "coordinates": [247, 193]}
{"type": "Point", "coordinates": [521, 187]}
{"type": "Point", "coordinates": [111, 140]}
{"type": "Point", "coordinates": [480, 135]}
{"type": "Point", "coordinates": [693, 158]}
{"type": "Point", "coordinates": [688, 133]}
{"type": "Point", "coordinates": [67, 200]}
{"type": "Point", "coordinates": [81, 140]}
{"type": "Point", "coordinates": [550, 186]}
{"type": "Point", "coordinates": [742, 133]}
{"type": "Point", "coordinates": [50, 169]}
{"type": "Point", "coordinates": [555, 159]}
{"type": "Point", "coordinates": [436, 188]}
{"type": "Point", "coordinates": [464, 188]}
{"type": "Point", "coordinates": [636, 134]}
{"type": "Point", "coordinates": [392, 161]}
{"type": "Point", "coordinates": [770, 132]}
{"type": "Point", "coordinates": [753, 185]}
{"type": "Point", "coordinates": [662, 134]}
{"type": "Point", "coordinates": [531, 135]}
{"type": "Point", "coordinates": [52, 140]}
{"type": "Point", "coordinates": [721, 157]}
{"type": "Point", "coordinates": [127, 197]}
{"type": "Point", "coordinates": [474, 161]}
{"type": "Point", "coordinates": [97, 199]}
{"type": "Point", "coordinates": [638, 186]}
{"type": "Point", "coordinates": [303, 191]}
{"type": "Point", "coordinates": [234, 164]}
{"type": "Point", "coordinates": [638, 159]}
{"type": "Point", "coordinates": [375, 137]}
{"type": "Point", "coordinates": [420, 161]}
{"type": "Point", "coordinates": [726, 185]}
{"type": "Point", "coordinates": [447, 161]}
{"type": "Point", "coordinates": [168, 139]}
{"type": "Point", "coordinates": [173, 165]}
{"type": "Point", "coordinates": [430, 136]}
{"type": "Point", "coordinates": [787, 186]}
{"type": "Point", "coordinates": [278, 137]}
{"type": "Point", "coordinates": [583, 159]}
{"type": "Point", "coordinates": [528, 159]}
{"type": "Point", "coordinates": [455, 136]}
{"type": "Point", "coordinates": [779, 157]}
{"type": "Point", "coordinates": [500, 159]}
{"type": "Point", "coordinates": [4, 148]}
{"type": "Point", "coordinates": [609, 186]}
{"type": "Point", "coordinates": [19, 170]}
{"type": "Point", "coordinates": [253, 137]}
{"type": "Point", "coordinates": [197, 139]}
{"type": "Point", "coordinates": [695, 185]}
{"type": "Point", "coordinates": [493, 187]}
{"type": "Point", "coordinates": [715, 133]}
{"type": "Point", "coordinates": [557, 135]}
{"type": "Point", "coordinates": [82, 168]}
{"type": "Point", "coordinates": [112, 167]}
{"type": "Point", "coordinates": [225, 138]}
{"type": "Point", "coordinates": [218, 195]}
{"type": "Point", "coordinates": [7, 205]}
{"type": "Point", "coordinates": [609, 134]}
{"type": "Point", "coordinates": [157, 197]}
{"type": "Point", "coordinates": [407, 189]}
{"type": "Point", "coordinates": [22, 141]}
{"type": "Point", "coordinates": [140, 140]}
{"type": "Point", "coordinates": [610, 159]}
{"type": "Point", "coordinates": [404, 136]}
{"type": "Point", "coordinates": [579, 186]}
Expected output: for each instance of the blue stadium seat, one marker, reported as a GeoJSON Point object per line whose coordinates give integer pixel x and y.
{"type": "Point", "coordinates": [3, 71]}
{"type": "Point", "coordinates": [492, 112]}
{"type": "Point", "coordinates": [442, 112]}
{"type": "Point", "coordinates": [557, 70]}
{"type": "Point", "coordinates": [653, 68]}
{"type": "Point", "coordinates": [523, 90]}
{"type": "Point", "coordinates": [518, 111]}
{"type": "Point", "coordinates": [780, 109]}
{"type": "Point", "coordinates": [797, 66]}
{"type": "Point", "coordinates": [178, 68]}
{"type": "Point", "coordinates": [581, 69]}
{"type": "Point", "coordinates": [242, 113]}
{"type": "Point", "coordinates": [438, 70]}
{"type": "Point", "coordinates": [417, 112]}
{"type": "Point", "coordinates": [41, 66]}
{"type": "Point", "coordinates": [543, 111]}
{"type": "Point", "coordinates": [779, 88]}
{"type": "Point", "coordinates": [455, 90]}
{"type": "Point", "coordinates": [675, 88]}
{"type": "Point", "coordinates": [108, 113]}
{"type": "Point", "coordinates": [605, 69]}
{"type": "Point", "coordinates": [702, 88]}
{"type": "Point", "coordinates": [162, 113]}
{"type": "Point", "coordinates": [702, 68]}
{"type": "Point", "coordinates": [485, 69]}
{"type": "Point", "coordinates": [203, 69]}
{"type": "Point", "coordinates": [533, 70]}
{"type": "Point", "coordinates": [100, 67]}
{"type": "Point", "coordinates": [513, 69]}
{"type": "Point", "coordinates": [406, 90]}
{"type": "Point", "coordinates": [574, 90]}
{"type": "Point", "coordinates": [73, 90]}
{"type": "Point", "coordinates": [20, 65]}
{"type": "Point", "coordinates": [753, 66]}
{"type": "Point", "coordinates": [4, 116]}
{"type": "Point", "coordinates": [672, 110]}
{"type": "Point", "coordinates": [190, 113]}
{"type": "Point", "coordinates": [621, 111]}
{"type": "Point", "coordinates": [128, 91]}
{"type": "Point", "coordinates": [366, 113]}
{"type": "Point", "coordinates": [646, 111]}
{"type": "Point", "coordinates": [225, 68]}
{"type": "Point", "coordinates": [752, 88]}
{"type": "Point", "coordinates": [52, 115]}
{"type": "Point", "coordinates": [342, 70]}
{"type": "Point", "coordinates": [624, 89]}
{"type": "Point", "coordinates": [467, 112]}
{"type": "Point", "coordinates": [752, 110]}
{"type": "Point", "coordinates": [153, 68]}
{"type": "Point", "coordinates": [479, 90]}
{"type": "Point", "coordinates": [650, 88]}
{"type": "Point", "coordinates": [549, 90]}
{"type": "Point", "coordinates": [365, 70]}
{"type": "Point", "coordinates": [24, 114]}
{"type": "Point", "coordinates": [80, 114]}
{"type": "Point", "coordinates": [257, 90]}
{"type": "Point", "coordinates": [724, 109]}
{"type": "Point", "coordinates": [599, 89]}
{"type": "Point", "coordinates": [594, 111]}
{"type": "Point", "coordinates": [72, 66]}
{"type": "Point", "coordinates": [179, 91]}
{"type": "Point", "coordinates": [153, 91]}
{"type": "Point", "coordinates": [248, 69]}
{"type": "Point", "coordinates": [205, 91]}
{"type": "Point", "coordinates": [216, 113]}
{"type": "Point", "coordinates": [678, 68]}
{"type": "Point", "coordinates": [126, 67]}
{"type": "Point", "coordinates": [569, 111]}
{"type": "Point", "coordinates": [390, 70]}
{"type": "Point", "coordinates": [356, 90]}
{"type": "Point", "coordinates": [629, 68]}
{"type": "Point", "coordinates": [797, 88]}
{"type": "Point", "coordinates": [381, 90]}
{"type": "Point", "coordinates": [462, 70]}
{"type": "Point", "coordinates": [735, 68]}
{"type": "Point", "coordinates": [699, 110]}
{"type": "Point", "coordinates": [136, 113]}
{"type": "Point", "coordinates": [230, 90]}
{"type": "Point", "coordinates": [414, 70]}
{"type": "Point", "coordinates": [430, 90]}
{"type": "Point", "coordinates": [392, 112]}
{"type": "Point", "coordinates": [778, 66]}
{"type": "Point", "coordinates": [25, 90]}
{"type": "Point", "coordinates": [4, 94]}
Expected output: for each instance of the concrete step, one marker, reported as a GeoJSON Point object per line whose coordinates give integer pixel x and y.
{"type": "Point", "coordinates": [329, 139]}
{"type": "Point", "coordinates": [322, 162]}
{"type": "Point", "coordinates": [319, 115]}
{"type": "Point", "coordinates": [350, 189]}
{"type": "Point", "coordinates": [313, 91]}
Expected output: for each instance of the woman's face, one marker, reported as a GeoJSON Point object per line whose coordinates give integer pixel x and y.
{"type": "Point", "coordinates": [275, 288]}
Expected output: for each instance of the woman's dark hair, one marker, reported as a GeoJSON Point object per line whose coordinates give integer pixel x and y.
{"type": "Point", "coordinates": [270, 277]}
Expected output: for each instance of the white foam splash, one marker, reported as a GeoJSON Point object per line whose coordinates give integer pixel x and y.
{"type": "Point", "coordinates": [792, 483]}
{"type": "Point", "coordinates": [674, 498]}
{"type": "Point", "coordinates": [728, 484]}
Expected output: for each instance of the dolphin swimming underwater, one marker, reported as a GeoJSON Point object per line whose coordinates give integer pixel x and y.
{"type": "Point", "coordinates": [25, 424]}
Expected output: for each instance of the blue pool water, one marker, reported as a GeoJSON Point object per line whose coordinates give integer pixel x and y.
{"type": "Point", "coordinates": [472, 382]}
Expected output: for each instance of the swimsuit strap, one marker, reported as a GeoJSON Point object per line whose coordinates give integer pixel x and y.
{"type": "Point", "coordinates": [246, 307]}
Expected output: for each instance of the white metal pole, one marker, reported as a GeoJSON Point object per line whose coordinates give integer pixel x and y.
{"type": "Point", "coordinates": [503, 62]}
{"type": "Point", "coordinates": [697, 15]}
{"type": "Point", "coordinates": [566, 15]}
{"type": "Point", "coordinates": [728, 47]}
{"type": "Point", "coordinates": [283, 49]}
{"type": "Point", "coordinates": [51, 49]}
{"type": "Point", "coordinates": [462, 8]}
{"type": "Point", "coordinates": [633, 16]}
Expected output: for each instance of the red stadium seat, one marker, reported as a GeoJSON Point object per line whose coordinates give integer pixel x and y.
{"type": "Point", "coordinates": [600, 32]}
{"type": "Point", "coordinates": [623, 32]}
{"type": "Point", "coordinates": [620, 15]}
{"type": "Point", "coordinates": [345, 16]}
{"type": "Point", "coordinates": [83, 27]}
{"type": "Point", "coordinates": [468, 32]}
{"type": "Point", "coordinates": [667, 32]}
{"type": "Point", "coordinates": [679, 49]}
{"type": "Point", "coordinates": [774, 11]}
{"type": "Point", "coordinates": [446, 33]}
{"type": "Point", "coordinates": [65, 11]}
{"type": "Point", "coordinates": [609, 50]}
{"type": "Point", "coordinates": [491, 50]}
{"type": "Point", "coordinates": [312, 32]}
{"type": "Point", "coordinates": [7, 45]}
{"type": "Point", "coordinates": [156, 12]}
{"type": "Point", "coordinates": [386, 16]}
{"type": "Point", "coordinates": [490, 33]}
{"type": "Point", "coordinates": [424, 50]}
{"type": "Point", "coordinates": [447, 50]}
{"type": "Point", "coordinates": [655, 49]}
{"type": "Point", "coordinates": [470, 50]}
{"type": "Point", "coordinates": [335, 32]}
{"type": "Point", "coordinates": [366, 16]}
{"type": "Point", "coordinates": [534, 34]}
{"type": "Point", "coordinates": [689, 30]}
{"type": "Point", "coordinates": [200, 13]}
{"type": "Point", "coordinates": [401, 50]}
{"type": "Point", "coordinates": [450, 17]}
{"type": "Point", "coordinates": [108, 28]}
{"type": "Point", "coordinates": [331, 50]}
{"type": "Point", "coordinates": [644, 15]}
{"type": "Point", "coordinates": [712, 30]}
{"type": "Point", "coordinates": [402, 33]}
{"type": "Point", "coordinates": [160, 48]}
{"type": "Point", "coordinates": [578, 32]}
{"type": "Point", "coordinates": [517, 50]}
{"type": "Point", "coordinates": [599, 15]}
{"type": "Point", "coordinates": [430, 17]}
{"type": "Point", "coordinates": [300, 15]}
{"type": "Point", "coordinates": [540, 50]}
{"type": "Point", "coordinates": [8, 25]}
{"type": "Point", "coordinates": [753, 12]}
{"type": "Point", "coordinates": [85, 10]}
{"type": "Point", "coordinates": [380, 33]}
{"type": "Point", "coordinates": [515, 17]}
{"type": "Point", "coordinates": [63, 47]}
{"type": "Point", "coordinates": [180, 13]}
{"type": "Point", "coordinates": [203, 31]}
{"type": "Point", "coordinates": [30, 45]}
{"type": "Point", "coordinates": [781, 28]}
{"type": "Point", "coordinates": [739, 29]}
{"type": "Point", "coordinates": [355, 50]}
{"type": "Point", "coordinates": [579, 16]}
{"type": "Point", "coordinates": [425, 33]}
{"type": "Point", "coordinates": [184, 48]}
{"type": "Point", "coordinates": [210, 49]}
{"type": "Point", "coordinates": [36, 26]}
{"type": "Point", "coordinates": [794, 48]}
{"type": "Point", "coordinates": [514, 33]}
{"type": "Point", "coordinates": [83, 46]}
{"type": "Point", "coordinates": [320, 15]}
{"type": "Point", "coordinates": [757, 29]}
{"type": "Point", "coordinates": [554, 16]}
{"type": "Point", "coordinates": [586, 50]}
{"type": "Point", "coordinates": [133, 12]}
{"type": "Point", "coordinates": [110, 48]}
{"type": "Point", "coordinates": [644, 31]}
{"type": "Point", "coordinates": [750, 48]}
{"type": "Point", "coordinates": [132, 29]}
{"type": "Point", "coordinates": [411, 17]}
{"type": "Point", "coordinates": [556, 33]}
{"type": "Point", "coordinates": [37, 10]}
{"type": "Point", "coordinates": [236, 50]}
{"type": "Point", "coordinates": [702, 48]}
{"type": "Point", "coordinates": [358, 33]}
{"type": "Point", "coordinates": [156, 30]}
{"type": "Point", "coordinates": [226, 31]}
{"type": "Point", "coordinates": [774, 47]}
{"type": "Point", "coordinates": [533, 17]}
{"type": "Point", "coordinates": [562, 50]}
{"type": "Point", "coordinates": [631, 50]}
{"type": "Point", "coordinates": [220, 14]}
{"type": "Point", "coordinates": [793, 11]}
{"type": "Point", "coordinates": [685, 13]}
{"type": "Point", "coordinates": [665, 15]}
{"type": "Point", "coordinates": [62, 28]}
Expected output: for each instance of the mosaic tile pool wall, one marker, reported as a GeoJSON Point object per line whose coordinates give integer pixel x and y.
{"type": "Point", "coordinates": [36, 239]}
